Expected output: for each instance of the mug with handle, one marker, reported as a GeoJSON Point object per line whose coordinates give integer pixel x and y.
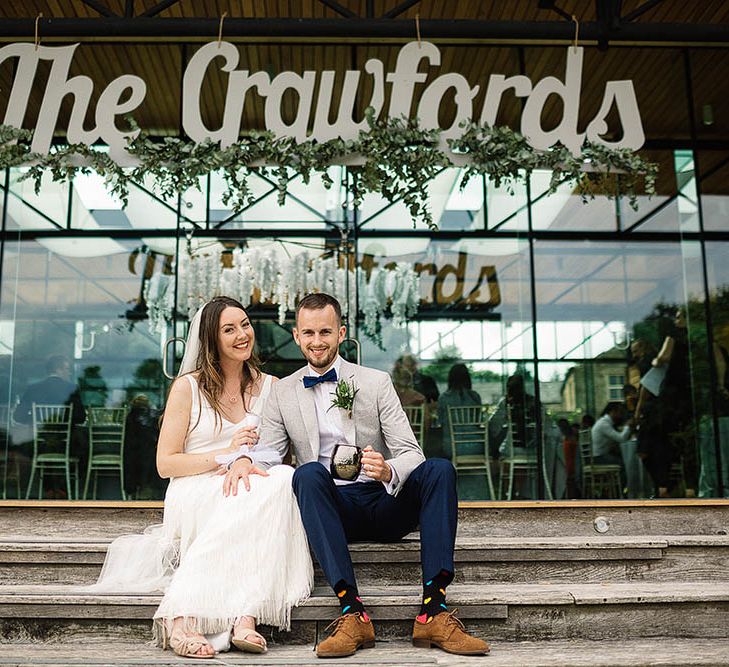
{"type": "Point", "coordinates": [346, 461]}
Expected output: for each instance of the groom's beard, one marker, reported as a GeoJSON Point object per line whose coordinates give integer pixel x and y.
{"type": "Point", "coordinates": [321, 363]}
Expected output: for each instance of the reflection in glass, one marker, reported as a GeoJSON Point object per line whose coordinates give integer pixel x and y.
{"type": "Point", "coordinates": [473, 332]}
{"type": "Point", "coordinates": [70, 335]}
{"type": "Point", "coordinates": [714, 451]}
{"type": "Point", "coordinates": [607, 315]}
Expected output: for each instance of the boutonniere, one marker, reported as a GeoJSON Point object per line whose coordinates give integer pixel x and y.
{"type": "Point", "coordinates": [343, 396]}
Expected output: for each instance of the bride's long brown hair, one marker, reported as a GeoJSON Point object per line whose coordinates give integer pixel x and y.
{"type": "Point", "coordinates": [210, 376]}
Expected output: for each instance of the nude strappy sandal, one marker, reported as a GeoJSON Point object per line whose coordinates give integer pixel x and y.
{"type": "Point", "coordinates": [242, 643]}
{"type": "Point", "coordinates": [187, 646]}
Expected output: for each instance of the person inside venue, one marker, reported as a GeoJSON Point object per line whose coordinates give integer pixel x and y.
{"type": "Point", "coordinates": [56, 389]}
{"type": "Point", "coordinates": [608, 433]}
{"type": "Point", "coordinates": [459, 393]}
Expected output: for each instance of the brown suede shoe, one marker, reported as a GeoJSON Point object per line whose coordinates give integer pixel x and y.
{"type": "Point", "coordinates": [351, 632]}
{"type": "Point", "coordinates": [447, 632]}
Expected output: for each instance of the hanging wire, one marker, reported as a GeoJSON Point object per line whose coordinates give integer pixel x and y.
{"type": "Point", "coordinates": [220, 28]}
{"type": "Point", "coordinates": [37, 35]}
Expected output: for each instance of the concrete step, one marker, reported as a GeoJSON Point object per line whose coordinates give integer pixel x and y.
{"type": "Point", "coordinates": [549, 519]}
{"type": "Point", "coordinates": [658, 652]}
{"type": "Point", "coordinates": [25, 559]}
{"type": "Point", "coordinates": [508, 612]}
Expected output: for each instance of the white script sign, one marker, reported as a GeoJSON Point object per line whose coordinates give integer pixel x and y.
{"type": "Point", "coordinates": [311, 119]}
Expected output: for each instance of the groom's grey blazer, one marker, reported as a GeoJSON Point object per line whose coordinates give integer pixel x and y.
{"type": "Point", "coordinates": [289, 418]}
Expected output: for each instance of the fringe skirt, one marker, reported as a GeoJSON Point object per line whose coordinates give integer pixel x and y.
{"type": "Point", "coordinates": [218, 558]}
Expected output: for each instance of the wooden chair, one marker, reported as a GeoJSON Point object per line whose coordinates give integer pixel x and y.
{"type": "Point", "coordinates": [106, 446]}
{"type": "Point", "coordinates": [520, 459]}
{"type": "Point", "coordinates": [469, 439]}
{"type": "Point", "coordinates": [416, 417]}
{"type": "Point", "coordinates": [602, 477]}
{"type": "Point", "coordinates": [52, 447]}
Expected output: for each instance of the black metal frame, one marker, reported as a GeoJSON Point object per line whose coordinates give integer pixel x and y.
{"type": "Point", "coordinates": [610, 27]}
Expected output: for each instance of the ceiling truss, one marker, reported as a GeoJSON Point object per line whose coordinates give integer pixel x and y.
{"type": "Point", "coordinates": [610, 27]}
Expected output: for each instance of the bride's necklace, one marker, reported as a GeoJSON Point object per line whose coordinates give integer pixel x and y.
{"type": "Point", "coordinates": [231, 397]}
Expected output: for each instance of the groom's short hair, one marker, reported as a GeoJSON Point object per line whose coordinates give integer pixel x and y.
{"type": "Point", "coordinates": [319, 301]}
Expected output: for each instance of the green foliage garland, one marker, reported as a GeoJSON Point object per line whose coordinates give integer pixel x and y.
{"type": "Point", "coordinates": [398, 160]}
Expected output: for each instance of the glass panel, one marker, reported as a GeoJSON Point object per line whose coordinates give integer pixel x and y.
{"type": "Point", "coordinates": [718, 277]}
{"type": "Point", "coordinates": [308, 205]}
{"type": "Point", "coordinates": [674, 207]}
{"type": "Point", "coordinates": [452, 208]}
{"type": "Point", "coordinates": [72, 331]}
{"type": "Point", "coordinates": [596, 303]}
{"type": "Point", "coordinates": [473, 328]}
{"type": "Point", "coordinates": [92, 207]}
{"type": "Point", "coordinates": [565, 209]}
{"type": "Point", "coordinates": [48, 209]}
{"type": "Point", "coordinates": [714, 170]}
{"type": "Point", "coordinates": [506, 208]}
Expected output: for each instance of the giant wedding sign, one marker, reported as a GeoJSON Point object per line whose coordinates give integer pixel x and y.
{"type": "Point", "coordinates": [314, 92]}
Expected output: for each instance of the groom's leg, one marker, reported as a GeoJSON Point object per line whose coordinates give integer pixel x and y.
{"type": "Point", "coordinates": [429, 494]}
{"type": "Point", "coordinates": [325, 512]}
{"type": "Point", "coordinates": [322, 509]}
{"type": "Point", "coordinates": [428, 498]}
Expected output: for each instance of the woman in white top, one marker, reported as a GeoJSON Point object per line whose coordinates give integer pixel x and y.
{"type": "Point", "coordinates": [234, 569]}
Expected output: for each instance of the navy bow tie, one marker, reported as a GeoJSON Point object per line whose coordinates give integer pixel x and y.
{"type": "Point", "coordinates": [313, 380]}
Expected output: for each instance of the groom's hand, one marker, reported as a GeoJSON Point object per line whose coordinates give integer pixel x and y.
{"type": "Point", "coordinates": [242, 469]}
{"type": "Point", "coordinates": [375, 466]}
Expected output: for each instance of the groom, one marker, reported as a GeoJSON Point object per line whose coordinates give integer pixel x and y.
{"type": "Point", "coordinates": [396, 491]}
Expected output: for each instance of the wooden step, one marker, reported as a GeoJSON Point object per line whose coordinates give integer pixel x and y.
{"type": "Point", "coordinates": [659, 652]}
{"type": "Point", "coordinates": [508, 612]}
{"type": "Point", "coordinates": [70, 560]}
{"type": "Point", "coordinates": [508, 519]}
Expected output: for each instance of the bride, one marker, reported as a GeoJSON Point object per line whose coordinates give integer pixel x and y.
{"type": "Point", "coordinates": [234, 570]}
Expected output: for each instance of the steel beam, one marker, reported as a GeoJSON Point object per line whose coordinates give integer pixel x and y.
{"type": "Point", "coordinates": [181, 29]}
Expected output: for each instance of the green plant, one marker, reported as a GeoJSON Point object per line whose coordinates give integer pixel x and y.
{"type": "Point", "coordinates": [343, 396]}
{"type": "Point", "coordinates": [399, 161]}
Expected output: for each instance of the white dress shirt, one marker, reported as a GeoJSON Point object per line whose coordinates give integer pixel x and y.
{"type": "Point", "coordinates": [605, 436]}
{"type": "Point", "coordinates": [330, 426]}
{"type": "Point", "coordinates": [330, 421]}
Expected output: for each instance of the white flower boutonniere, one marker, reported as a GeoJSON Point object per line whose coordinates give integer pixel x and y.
{"type": "Point", "coordinates": [343, 396]}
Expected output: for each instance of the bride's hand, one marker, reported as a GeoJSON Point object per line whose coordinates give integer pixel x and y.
{"type": "Point", "coordinates": [244, 436]}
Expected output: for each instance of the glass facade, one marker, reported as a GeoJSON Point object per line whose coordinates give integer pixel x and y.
{"type": "Point", "coordinates": [557, 308]}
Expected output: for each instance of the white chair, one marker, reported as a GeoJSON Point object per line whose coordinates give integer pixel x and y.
{"type": "Point", "coordinates": [52, 447]}
{"type": "Point", "coordinates": [519, 458]}
{"type": "Point", "coordinates": [107, 428]}
{"type": "Point", "coordinates": [469, 439]}
{"type": "Point", "coordinates": [416, 417]}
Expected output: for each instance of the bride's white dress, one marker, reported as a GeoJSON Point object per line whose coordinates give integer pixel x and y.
{"type": "Point", "coordinates": [218, 558]}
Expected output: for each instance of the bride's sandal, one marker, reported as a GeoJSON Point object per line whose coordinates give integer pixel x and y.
{"type": "Point", "coordinates": [242, 643]}
{"type": "Point", "coordinates": [186, 645]}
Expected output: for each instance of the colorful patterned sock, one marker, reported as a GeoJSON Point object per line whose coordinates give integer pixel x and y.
{"type": "Point", "coordinates": [434, 597]}
{"type": "Point", "coordinates": [349, 600]}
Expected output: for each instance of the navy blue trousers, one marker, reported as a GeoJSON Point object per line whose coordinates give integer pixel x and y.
{"type": "Point", "coordinates": [334, 516]}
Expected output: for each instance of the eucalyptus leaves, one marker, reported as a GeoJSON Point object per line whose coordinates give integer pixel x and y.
{"type": "Point", "coordinates": [397, 159]}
